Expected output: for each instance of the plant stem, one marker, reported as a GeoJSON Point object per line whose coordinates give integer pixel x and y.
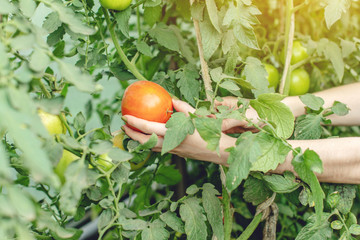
{"type": "Point", "coordinates": [289, 38]}
{"type": "Point", "coordinates": [63, 120]}
{"type": "Point", "coordinates": [132, 68]}
{"type": "Point", "coordinates": [43, 89]}
{"type": "Point", "coordinates": [246, 234]}
{"type": "Point", "coordinates": [227, 214]}
{"type": "Point", "coordinates": [204, 65]}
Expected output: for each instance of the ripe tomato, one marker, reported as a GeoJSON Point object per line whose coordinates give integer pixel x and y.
{"type": "Point", "coordinates": [52, 122]}
{"type": "Point", "coordinates": [118, 5]}
{"type": "Point", "coordinates": [273, 75]}
{"type": "Point", "coordinates": [147, 100]}
{"type": "Point", "coordinates": [299, 82]}
{"type": "Point", "coordinates": [298, 54]}
{"type": "Point", "coordinates": [66, 159]}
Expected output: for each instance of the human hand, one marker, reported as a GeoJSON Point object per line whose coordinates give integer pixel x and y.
{"type": "Point", "coordinates": [234, 125]}
{"type": "Point", "coordinates": [193, 145]}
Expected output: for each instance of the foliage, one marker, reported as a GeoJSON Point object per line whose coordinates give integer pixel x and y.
{"type": "Point", "coordinates": [74, 59]}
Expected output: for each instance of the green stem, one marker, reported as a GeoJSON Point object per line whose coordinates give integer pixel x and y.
{"type": "Point", "coordinates": [251, 227]}
{"type": "Point", "coordinates": [138, 4]}
{"type": "Point", "coordinates": [63, 120]}
{"type": "Point", "coordinates": [132, 68]}
{"type": "Point", "coordinates": [43, 89]}
{"type": "Point", "coordinates": [227, 214]}
{"type": "Point", "coordinates": [87, 133]}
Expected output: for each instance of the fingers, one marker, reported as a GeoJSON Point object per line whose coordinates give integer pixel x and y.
{"type": "Point", "coordinates": [229, 101]}
{"type": "Point", "coordinates": [184, 107]}
{"type": "Point", "coordinates": [142, 138]}
{"type": "Point", "coordinates": [146, 126]}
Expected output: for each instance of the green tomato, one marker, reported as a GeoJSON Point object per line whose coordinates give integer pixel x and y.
{"type": "Point", "coordinates": [52, 123]}
{"type": "Point", "coordinates": [104, 162]}
{"type": "Point", "coordinates": [299, 82]}
{"type": "Point", "coordinates": [66, 159]}
{"type": "Point", "coordinates": [298, 54]}
{"type": "Point", "coordinates": [273, 75]}
{"type": "Point", "coordinates": [118, 5]}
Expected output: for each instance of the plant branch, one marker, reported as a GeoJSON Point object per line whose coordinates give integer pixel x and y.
{"type": "Point", "coordinates": [119, 50]}
{"type": "Point", "coordinates": [246, 234]}
{"type": "Point", "coordinates": [204, 65]}
{"type": "Point", "coordinates": [289, 34]}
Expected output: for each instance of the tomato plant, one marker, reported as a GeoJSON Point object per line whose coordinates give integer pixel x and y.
{"type": "Point", "coordinates": [299, 82]}
{"type": "Point", "coordinates": [147, 100]}
{"type": "Point", "coordinates": [96, 61]}
{"type": "Point", "coordinates": [118, 5]}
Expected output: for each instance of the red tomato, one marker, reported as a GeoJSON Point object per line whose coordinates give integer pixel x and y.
{"type": "Point", "coordinates": [147, 100]}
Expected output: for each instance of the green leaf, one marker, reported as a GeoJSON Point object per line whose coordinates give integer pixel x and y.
{"type": "Point", "coordinates": [337, 225]}
{"type": "Point", "coordinates": [149, 144]}
{"type": "Point", "coordinates": [354, 229]}
{"type": "Point", "coordinates": [209, 130]}
{"type": "Point", "coordinates": [269, 107]}
{"type": "Point", "coordinates": [39, 60]}
{"type": "Point", "coordinates": [192, 190]}
{"type": "Point", "coordinates": [144, 48]}
{"type": "Point", "coordinates": [165, 37]}
{"type": "Point", "coordinates": [334, 11]}
{"type": "Point", "coordinates": [256, 74]}
{"type": "Point", "coordinates": [213, 14]}
{"type": "Point", "coordinates": [22, 203]}
{"type": "Point", "coordinates": [347, 194]}
{"type": "Point", "coordinates": [105, 218]}
{"type": "Point", "coordinates": [192, 214]}
{"type": "Point", "coordinates": [27, 7]}
{"type": "Point", "coordinates": [340, 109]}
{"type": "Point", "coordinates": [333, 52]}
{"type": "Point", "coordinates": [333, 199]}
{"type": "Point", "coordinates": [6, 7]}
{"type": "Point", "coordinates": [347, 47]}
{"type": "Point", "coordinates": [281, 184]}
{"type": "Point", "coordinates": [241, 157]}
{"type": "Point", "coordinates": [73, 75]}
{"type": "Point", "coordinates": [178, 127]}
{"type": "Point", "coordinates": [173, 221]}
{"type": "Point", "coordinates": [66, 15]}
{"type": "Point", "coordinates": [304, 165]}
{"type": "Point", "coordinates": [122, 19]}
{"type": "Point", "coordinates": [168, 175]}
{"type": "Point", "coordinates": [152, 15]}
{"type": "Point", "coordinates": [255, 191]}
{"type": "Point", "coordinates": [274, 152]}
{"type": "Point", "coordinates": [4, 162]}
{"type": "Point", "coordinates": [188, 83]}
{"type": "Point", "coordinates": [312, 101]}
{"type": "Point", "coordinates": [212, 207]}
{"type": "Point", "coordinates": [155, 231]}
{"type": "Point", "coordinates": [133, 224]}
{"type": "Point", "coordinates": [316, 229]}
{"type": "Point", "coordinates": [210, 37]}
{"type": "Point", "coordinates": [79, 122]}
{"type": "Point", "coordinates": [309, 127]}
{"type": "Point", "coordinates": [52, 22]}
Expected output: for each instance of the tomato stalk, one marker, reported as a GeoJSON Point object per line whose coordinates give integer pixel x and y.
{"type": "Point", "coordinates": [246, 234]}
{"type": "Point", "coordinates": [289, 38]}
{"type": "Point", "coordinates": [132, 68]}
{"type": "Point", "coordinates": [227, 213]}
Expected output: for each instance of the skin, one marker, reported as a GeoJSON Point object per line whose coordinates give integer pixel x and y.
{"type": "Point", "coordinates": [340, 156]}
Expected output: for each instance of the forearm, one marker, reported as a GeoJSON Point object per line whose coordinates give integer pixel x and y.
{"type": "Point", "coordinates": [347, 94]}
{"type": "Point", "coordinates": [340, 157]}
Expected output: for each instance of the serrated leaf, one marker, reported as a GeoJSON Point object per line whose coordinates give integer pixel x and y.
{"type": "Point", "coordinates": [309, 127]}
{"type": "Point", "coordinates": [192, 214]}
{"type": "Point", "coordinates": [168, 175]}
{"type": "Point", "coordinates": [312, 101]}
{"type": "Point", "coordinates": [133, 224]}
{"type": "Point", "coordinates": [192, 190]}
{"type": "Point", "coordinates": [173, 221]}
{"type": "Point", "coordinates": [333, 52]}
{"type": "Point", "coordinates": [144, 48]}
{"type": "Point", "coordinates": [52, 22]}
{"type": "Point", "coordinates": [334, 11]}
{"type": "Point", "coordinates": [122, 19]}
{"type": "Point", "coordinates": [212, 206]}
{"type": "Point", "coordinates": [188, 83]}
{"type": "Point", "coordinates": [178, 127]}
{"type": "Point", "coordinates": [105, 218]}
{"type": "Point", "coordinates": [27, 7]}
{"type": "Point", "coordinates": [213, 13]}
{"type": "Point", "coordinates": [210, 130]}
{"type": "Point", "coordinates": [210, 37]}
{"type": "Point", "coordinates": [316, 229]}
{"type": "Point", "coordinates": [155, 231]}
{"type": "Point", "coordinates": [340, 109]}
{"type": "Point", "coordinates": [281, 184]}
{"type": "Point", "coordinates": [269, 107]}
{"type": "Point", "coordinates": [304, 165]}
{"type": "Point", "coordinates": [274, 152]}
{"type": "Point", "coordinates": [255, 191]}
{"type": "Point", "coordinates": [165, 37]}
{"type": "Point", "coordinates": [241, 157]}
{"type": "Point", "coordinates": [346, 195]}
{"type": "Point", "coordinates": [256, 74]}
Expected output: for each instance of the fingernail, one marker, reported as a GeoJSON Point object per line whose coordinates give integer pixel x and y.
{"type": "Point", "coordinates": [124, 119]}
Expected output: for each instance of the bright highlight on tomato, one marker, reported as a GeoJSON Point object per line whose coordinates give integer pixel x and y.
{"type": "Point", "coordinates": [118, 5]}
{"type": "Point", "coordinates": [147, 100]}
{"type": "Point", "coordinates": [273, 75]}
{"type": "Point", "coordinates": [299, 82]}
{"type": "Point", "coordinates": [52, 122]}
